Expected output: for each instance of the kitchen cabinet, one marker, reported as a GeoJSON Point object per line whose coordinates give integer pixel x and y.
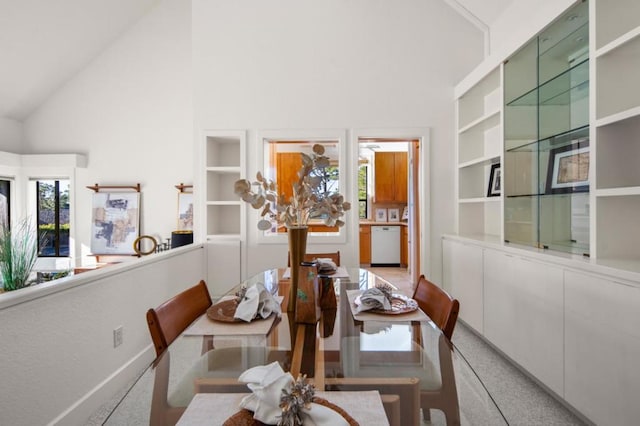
{"type": "Point", "coordinates": [365, 244]}
{"type": "Point", "coordinates": [390, 177]}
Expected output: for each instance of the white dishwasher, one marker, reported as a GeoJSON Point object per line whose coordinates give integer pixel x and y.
{"type": "Point", "coordinates": [385, 245]}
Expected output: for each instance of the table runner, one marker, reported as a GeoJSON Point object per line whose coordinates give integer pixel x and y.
{"type": "Point", "coordinates": [416, 315]}
{"type": "Point", "coordinates": [214, 408]}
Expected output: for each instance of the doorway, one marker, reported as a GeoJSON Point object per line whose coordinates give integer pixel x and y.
{"type": "Point", "coordinates": [377, 209]}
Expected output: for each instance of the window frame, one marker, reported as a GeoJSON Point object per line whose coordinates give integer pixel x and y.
{"type": "Point", "coordinates": [57, 224]}
{"type": "Point", "coordinates": [267, 137]}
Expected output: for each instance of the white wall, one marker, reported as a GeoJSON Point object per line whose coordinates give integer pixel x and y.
{"type": "Point", "coordinates": [130, 111]}
{"type": "Point", "coordinates": [291, 64]}
{"type": "Point", "coordinates": [10, 135]}
{"type": "Point", "coordinates": [522, 20]}
{"type": "Point", "coordinates": [58, 360]}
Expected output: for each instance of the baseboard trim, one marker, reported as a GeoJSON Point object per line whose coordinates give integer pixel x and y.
{"type": "Point", "coordinates": [87, 405]}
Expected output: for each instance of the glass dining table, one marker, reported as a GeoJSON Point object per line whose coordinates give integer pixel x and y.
{"type": "Point", "coordinates": [407, 359]}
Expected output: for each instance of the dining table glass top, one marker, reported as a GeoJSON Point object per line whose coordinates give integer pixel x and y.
{"type": "Point", "coordinates": [389, 353]}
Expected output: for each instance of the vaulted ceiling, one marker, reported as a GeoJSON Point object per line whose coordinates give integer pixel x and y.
{"type": "Point", "coordinates": [44, 43]}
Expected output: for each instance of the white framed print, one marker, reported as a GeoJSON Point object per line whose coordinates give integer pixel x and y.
{"type": "Point", "coordinates": [394, 215]}
{"type": "Point", "coordinates": [381, 215]}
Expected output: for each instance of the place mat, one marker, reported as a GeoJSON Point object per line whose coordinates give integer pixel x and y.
{"type": "Point", "coordinates": [341, 272]}
{"type": "Point", "coordinates": [205, 326]}
{"type": "Point", "coordinates": [214, 408]}
{"type": "Point", "coordinates": [416, 315]}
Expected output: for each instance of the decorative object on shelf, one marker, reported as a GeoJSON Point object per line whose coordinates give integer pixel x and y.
{"type": "Point", "coordinates": [137, 245]}
{"type": "Point", "coordinates": [569, 168]}
{"type": "Point", "coordinates": [381, 215]}
{"type": "Point", "coordinates": [181, 238]}
{"type": "Point", "coordinates": [405, 213]}
{"type": "Point", "coordinates": [394, 215]}
{"type": "Point", "coordinates": [185, 207]}
{"type": "Point", "coordinates": [493, 188]}
{"type": "Point", "coordinates": [311, 200]}
{"type": "Point", "coordinates": [115, 218]}
{"type": "Point", "coordinates": [18, 253]}
{"type": "Point", "coordinates": [279, 399]}
{"type": "Point", "coordinates": [307, 309]}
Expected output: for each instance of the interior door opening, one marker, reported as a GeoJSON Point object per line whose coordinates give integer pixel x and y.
{"type": "Point", "coordinates": [389, 194]}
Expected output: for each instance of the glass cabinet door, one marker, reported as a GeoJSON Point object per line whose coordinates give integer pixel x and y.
{"type": "Point", "coordinates": [546, 137]}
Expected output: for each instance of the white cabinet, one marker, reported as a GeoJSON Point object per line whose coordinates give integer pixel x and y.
{"type": "Point", "coordinates": [462, 278]}
{"type": "Point", "coordinates": [524, 313]}
{"type": "Point", "coordinates": [479, 145]}
{"type": "Point", "coordinates": [602, 348]}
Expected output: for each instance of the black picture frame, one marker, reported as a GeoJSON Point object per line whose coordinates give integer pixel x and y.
{"type": "Point", "coordinates": [568, 168]}
{"type": "Point", "coordinates": [494, 186]}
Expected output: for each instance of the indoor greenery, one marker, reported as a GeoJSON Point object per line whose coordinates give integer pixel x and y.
{"type": "Point", "coordinates": [18, 254]}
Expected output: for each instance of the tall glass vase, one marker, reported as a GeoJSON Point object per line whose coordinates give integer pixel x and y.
{"type": "Point", "coordinates": [297, 250]}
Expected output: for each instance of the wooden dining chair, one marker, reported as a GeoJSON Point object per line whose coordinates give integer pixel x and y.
{"type": "Point", "coordinates": [437, 304]}
{"type": "Point", "coordinates": [168, 320]}
{"type": "Point", "coordinates": [309, 257]}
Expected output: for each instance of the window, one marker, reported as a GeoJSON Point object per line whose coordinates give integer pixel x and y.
{"type": "Point", "coordinates": [363, 207]}
{"type": "Point", "coordinates": [5, 201]}
{"type": "Point", "coordinates": [281, 163]}
{"type": "Point", "coordinates": [53, 217]}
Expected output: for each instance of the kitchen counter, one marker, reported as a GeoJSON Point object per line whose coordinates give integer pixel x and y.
{"type": "Point", "coordinates": [373, 222]}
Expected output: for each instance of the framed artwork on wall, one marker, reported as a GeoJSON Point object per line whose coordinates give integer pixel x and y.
{"type": "Point", "coordinates": [115, 222]}
{"type": "Point", "coordinates": [381, 215]}
{"type": "Point", "coordinates": [394, 215]}
{"type": "Point", "coordinates": [568, 169]}
{"type": "Point", "coordinates": [493, 189]}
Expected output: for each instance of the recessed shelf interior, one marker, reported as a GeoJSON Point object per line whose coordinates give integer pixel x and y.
{"type": "Point", "coordinates": [480, 219]}
{"type": "Point", "coordinates": [220, 185]}
{"type": "Point", "coordinates": [617, 232]}
{"type": "Point", "coordinates": [483, 98]}
{"type": "Point", "coordinates": [223, 151]}
{"type": "Point", "coordinates": [617, 87]}
{"type": "Point", "coordinates": [223, 220]}
{"type": "Point", "coordinates": [480, 141]}
{"type": "Point", "coordinates": [618, 152]}
{"type": "Point", "coordinates": [473, 181]}
{"type": "Point", "coordinates": [615, 20]}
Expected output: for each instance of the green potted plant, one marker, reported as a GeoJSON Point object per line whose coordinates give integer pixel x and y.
{"type": "Point", "coordinates": [18, 254]}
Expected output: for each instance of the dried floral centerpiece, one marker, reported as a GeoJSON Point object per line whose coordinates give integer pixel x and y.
{"type": "Point", "coordinates": [311, 199]}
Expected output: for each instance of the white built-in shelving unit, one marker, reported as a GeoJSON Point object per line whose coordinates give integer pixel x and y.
{"type": "Point", "coordinates": [224, 164]}
{"type": "Point", "coordinates": [616, 119]}
{"type": "Point", "coordinates": [479, 145]}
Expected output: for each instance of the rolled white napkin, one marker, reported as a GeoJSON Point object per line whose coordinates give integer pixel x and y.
{"type": "Point", "coordinates": [373, 298]}
{"type": "Point", "coordinates": [257, 302]}
{"type": "Point", "coordinates": [326, 264]}
{"type": "Point", "coordinates": [267, 383]}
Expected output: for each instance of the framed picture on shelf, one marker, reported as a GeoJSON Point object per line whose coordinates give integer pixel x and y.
{"type": "Point", "coordinates": [493, 189]}
{"type": "Point", "coordinates": [115, 222]}
{"type": "Point", "coordinates": [185, 211]}
{"type": "Point", "coordinates": [405, 213]}
{"type": "Point", "coordinates": [381, 215]}
{"type": "Point", "coordinates": [568, 169]}
{"type": "Point", "coordinates": [394, 215]}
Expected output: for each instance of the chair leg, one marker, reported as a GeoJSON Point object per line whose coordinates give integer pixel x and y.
{"type": "Point", "coordinates": [391, 405]}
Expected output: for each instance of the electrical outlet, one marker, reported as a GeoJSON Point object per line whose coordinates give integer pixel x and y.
{"type": "Point", "coordinates": [117, 337]}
